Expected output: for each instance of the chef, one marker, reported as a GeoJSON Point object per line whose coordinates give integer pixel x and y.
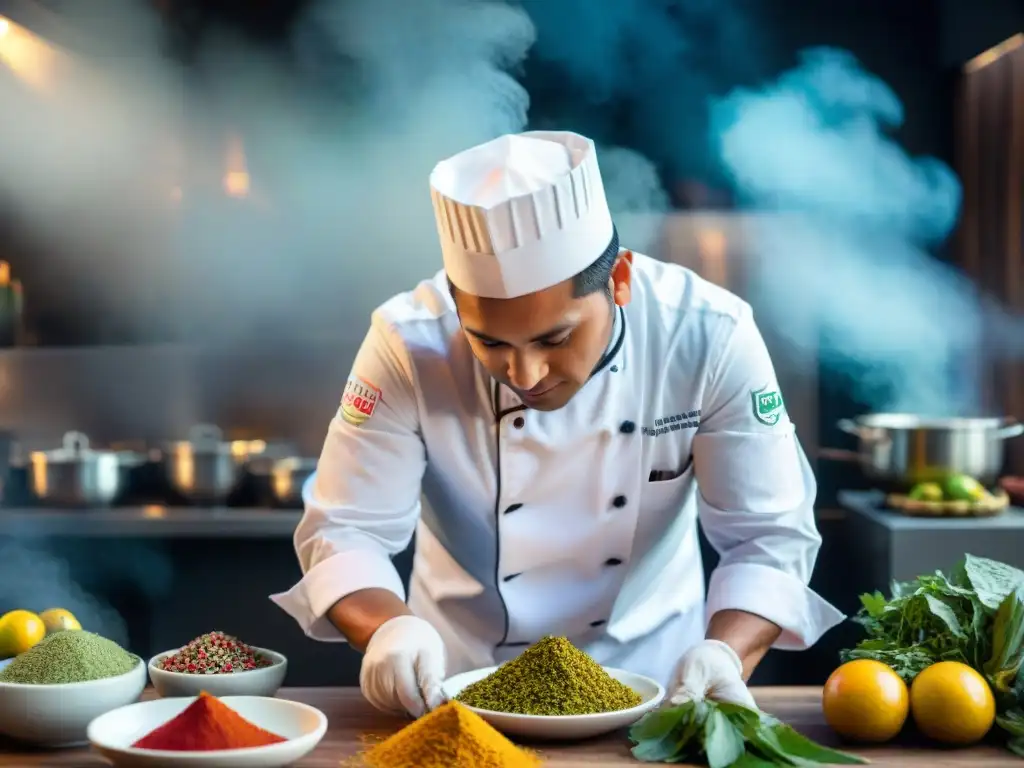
{"type": "Point", "coordinates": [552, 415]}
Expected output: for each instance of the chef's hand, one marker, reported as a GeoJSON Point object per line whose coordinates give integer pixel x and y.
{"type": "Point", "coordinates": [711, 669]}
{"type": "Point", "coordinates": [403, 667]}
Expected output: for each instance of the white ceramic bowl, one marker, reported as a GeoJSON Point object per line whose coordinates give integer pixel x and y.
{"type": "Point", "coordinates": [303, 726]}
{"type": "Point", "coordinates": [253, 682]}
{"type": "Point", "coordinates": [57, 715]}
{"type": "Point", "coordinates": [564, 726]}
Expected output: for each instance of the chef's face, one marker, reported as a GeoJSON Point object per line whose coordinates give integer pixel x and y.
{"type": "Point", "coordinates": [545, 345]}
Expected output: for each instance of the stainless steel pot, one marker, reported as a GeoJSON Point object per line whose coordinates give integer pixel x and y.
{"type": "Point", "coordinates": [287, 477]}
{"type": "Point", "coordinates": [77, 475]}
{"type": "Point", "coordinates": [206, 469]}
{"type": "Point", "coordinates": [903, 449]}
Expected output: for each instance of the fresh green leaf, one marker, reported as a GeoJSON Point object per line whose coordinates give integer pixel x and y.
{"type": "Point", "coordinates": [686, 744]}
{"type": "Point", "coordinates": [659, 723]}
{"type": "Point", "coordinates": [723, 742]}
{"type": "Point", "coordinates": [767, 742]}
{"type": "Point", "coordinates": [656, 734]}
{"type": "Point", "coordinates": [798, 745]}
{"type": "Point", "coordinates": [1016, 746]}
{"type": "Point", "coordinates": [992, 580]}
{"type": "Point", "coordinates": [1012, 721]}
{"type": "Point", "coordinates": [874, 603]}
{"type": "Point", "coordinates": [946, 615]}
{"type": "Point", "coordinates": [1003, 667]}
{"type": "Point", "coordinates": [929, 619]}
{"type": "Point", "coordinates": [723, 735]}
{"type": "Point", "coordinates": [656, 750]}
{"type": "Point", "coordinates": [750, 760]}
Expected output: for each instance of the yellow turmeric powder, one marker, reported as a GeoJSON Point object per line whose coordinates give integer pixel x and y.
{"type": "Point", "coordinates": [449, 737]}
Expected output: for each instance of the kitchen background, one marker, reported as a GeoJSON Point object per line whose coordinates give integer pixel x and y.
{"type": "Point", "coordinates": [201, 202]}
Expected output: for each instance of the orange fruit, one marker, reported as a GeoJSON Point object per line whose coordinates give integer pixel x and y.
{"type": "Point", "coordinates": [864, 700]}
{"type": "Point", "coordinates": [952, 703]}
{"type": "Point", "coordinates": [19, 631]}
{"type": "Point", "coordinates": [58, 619]}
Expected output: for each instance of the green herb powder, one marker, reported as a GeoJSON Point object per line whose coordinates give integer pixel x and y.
{"type": "Point", "coordinates": [551, 677]}
{"type": "Point", "coordinates": [73, 656]}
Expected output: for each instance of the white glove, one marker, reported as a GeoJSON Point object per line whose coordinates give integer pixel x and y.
{"type": "Point", "coordinates": [403, 667]}
{"type": "Point", "coordinates": [711, 669]}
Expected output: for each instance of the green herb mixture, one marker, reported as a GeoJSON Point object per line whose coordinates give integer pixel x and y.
{"type": "Point", "coordinates": [551, 677]}
{"type": "Point", "coordinates": [71, 656]}
{"type": "Point", "coordinates": [974, 615]}
{"type": "Point", "coordinates": [724, 735]}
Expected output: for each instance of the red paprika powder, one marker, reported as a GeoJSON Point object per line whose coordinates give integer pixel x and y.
{"type": "Point", "coordinates": [205, 725]}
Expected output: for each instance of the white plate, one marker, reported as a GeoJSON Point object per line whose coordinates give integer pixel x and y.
{"type": "Point", "coordinates": [564, 726]}
{"type": "Point", "coordinates": [304, 726]}
{"type": "Point", "coordinates": [5, 662]}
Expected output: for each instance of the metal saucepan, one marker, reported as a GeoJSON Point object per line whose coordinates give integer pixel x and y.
{"type": "Point", "coordinates": [898, 449]}
{"type": "Point", "coordinates": [287, 477]}
{"type": "Point", "coordinates": [77, 475]}
{"type": "Point", "coordinates": [206, 469]}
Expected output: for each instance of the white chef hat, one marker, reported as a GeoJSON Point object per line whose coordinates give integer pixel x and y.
{"type": "Point", "coordinates": [520, 213]}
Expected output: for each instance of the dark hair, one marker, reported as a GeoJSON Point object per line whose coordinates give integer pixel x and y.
{"type": "Point", "coordinates": [593, 278]}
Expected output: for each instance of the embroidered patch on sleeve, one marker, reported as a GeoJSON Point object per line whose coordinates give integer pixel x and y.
{"type": "Point", "coordinates": [359, 400]}
{"type": "Point", "coordinates": [767, 404]}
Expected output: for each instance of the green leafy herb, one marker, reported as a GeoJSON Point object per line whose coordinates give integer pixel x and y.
{"type": "Point", "coordinates": [1012, 721]}
{"type": "Point", "coordinates": [723, 735]}
{"type": "Point", "coordinates": [1003, 667]}
{"type": "Point", "coordinates": [991, 580]}
{"type": "Point", "coordinates": [937, 618]}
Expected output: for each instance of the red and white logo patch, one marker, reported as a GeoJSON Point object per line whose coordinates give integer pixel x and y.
{"type": "Point", "coordinates": [359, 400]}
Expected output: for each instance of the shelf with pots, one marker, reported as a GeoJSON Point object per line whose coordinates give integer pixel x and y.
{"type": "Point", "coordinates": [202, 473]}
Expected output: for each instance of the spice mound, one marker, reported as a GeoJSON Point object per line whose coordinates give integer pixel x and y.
{"type": "Point", "coordinates": [551, 677]}
{"type": "Point", "coordinates": [69, 657]}
{"type": "Point", "coordinates": [215, 654]}
{"type": "Point", "coordinates": [205, 725]}
{"type": "Point", "coordinates": [449, 737]}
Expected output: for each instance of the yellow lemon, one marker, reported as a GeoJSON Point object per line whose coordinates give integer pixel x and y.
{"type": "Point", "coordinates": [19, 631]}
{"type": "Point", "coordinates": [865, 700]}
{"type": "Point", "coordinates": [952, 703]}
{"type": "Point", "coordinates": [56, 619]}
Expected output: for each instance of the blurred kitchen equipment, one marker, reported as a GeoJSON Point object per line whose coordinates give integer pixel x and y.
{"type": "Point", "coordinates": [12, 307]}
{"type": "Point", "coordinates": [1014, 486]}
{"type": "Point", "coordinates": [898, 449]}
{"type": "Point", "coordinates": [6, 461]}
{"type": "Point", "coordinates": [287, 477]}
{"type": "Point", "coordinates": [206, 469]}
{"type": "Point", "coordinates": [77, 475]}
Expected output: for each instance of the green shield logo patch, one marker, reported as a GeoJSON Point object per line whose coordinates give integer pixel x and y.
{"type": "Point", "coordinates": [768, 405]}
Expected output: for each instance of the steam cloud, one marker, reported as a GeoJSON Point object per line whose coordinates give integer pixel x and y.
{"type": "Point", "coordinates": [845, 253]}
{"type": "Point", "coordinates": [35, 579]}
{"type": "Point", "coordinates": [121, 170]}
{"type": "Point", "coordinates": [130, 163]}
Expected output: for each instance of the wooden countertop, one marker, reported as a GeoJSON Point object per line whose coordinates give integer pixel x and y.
{"type": "Point", "coordinates": [350, 716]}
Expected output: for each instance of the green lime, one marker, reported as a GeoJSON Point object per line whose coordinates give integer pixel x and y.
{"type": "Point", "coordinates": [926, 492]}
{"type": "Point", "coordinates": [964, 488]}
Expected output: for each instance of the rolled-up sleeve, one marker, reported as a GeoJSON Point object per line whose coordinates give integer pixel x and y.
{"type": "Point", "coordinates": [756, 493]}
{"type": "Point", "coordinates": [363, 502]}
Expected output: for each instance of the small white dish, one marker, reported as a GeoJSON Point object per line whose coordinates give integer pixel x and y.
{"type": "Point", "coordinates": [568, 727]}
{"type": "Point", "coordinates": [58, 715]}
{"type": "Point", "coordinates": [303, 726]}
{"type": "Point", "coordinates": [265, 681]}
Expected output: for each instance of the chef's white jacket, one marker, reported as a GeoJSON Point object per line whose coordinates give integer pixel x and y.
{"type": "Point", "coordinates": [580, 522]}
